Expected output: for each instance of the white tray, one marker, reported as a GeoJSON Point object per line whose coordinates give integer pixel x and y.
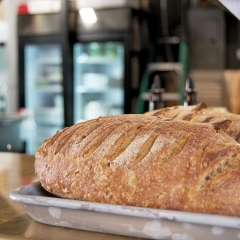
{"type": "Point", "coordinates": [123, 220]}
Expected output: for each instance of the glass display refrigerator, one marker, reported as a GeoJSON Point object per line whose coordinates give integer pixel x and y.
{"type": "Point", "coordinates": [40, 77]}
{"type": "Point", "coordinates": [109, 57]}
{"type": "Point", "coordinates": [71, 72]}
{"type": "Point", "coordinates": [99, 79]}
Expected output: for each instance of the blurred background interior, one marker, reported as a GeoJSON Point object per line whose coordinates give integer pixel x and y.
{"type": "Point", "coordinates": [67, 61]}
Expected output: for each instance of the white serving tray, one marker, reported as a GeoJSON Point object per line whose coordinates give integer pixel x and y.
{"type": "Point", "coordinates": [123, 220]}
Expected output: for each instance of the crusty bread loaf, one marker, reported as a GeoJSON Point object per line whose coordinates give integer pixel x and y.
{"type": "Point", "coordinates": [226, 121]}
{"type": "Point", "coordinates": [144, 161]}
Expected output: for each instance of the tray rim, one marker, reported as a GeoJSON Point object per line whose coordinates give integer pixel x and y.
{"type": "Point", "coordinates": [18, 195]}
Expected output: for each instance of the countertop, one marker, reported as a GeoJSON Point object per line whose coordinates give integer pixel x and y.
{"type": "Point", "coordinates": [17, 170]}
{"type": "Point", "coordinates": [9, 117]}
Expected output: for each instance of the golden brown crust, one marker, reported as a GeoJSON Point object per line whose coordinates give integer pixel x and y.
{"type": "Point", "coordinates": [144, 161]}
{"type": "Point", "coordinates": [226, 121]}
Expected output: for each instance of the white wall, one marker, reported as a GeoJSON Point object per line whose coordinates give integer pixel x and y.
{"type": "Point", "coordinates": [10, 15]}
{"type": "Point", "coordinates": [1, 12]}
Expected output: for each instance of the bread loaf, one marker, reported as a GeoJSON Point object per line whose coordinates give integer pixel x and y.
{"type": "Point", "coordinates": [226, 121]}
{"type": "Point", "coordinates": [144, 161]}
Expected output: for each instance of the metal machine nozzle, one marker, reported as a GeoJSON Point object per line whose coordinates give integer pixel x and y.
{"type": "Point", "coordinates": [155, 96]}
{"type": "Point", "coordinates": [190, 94]}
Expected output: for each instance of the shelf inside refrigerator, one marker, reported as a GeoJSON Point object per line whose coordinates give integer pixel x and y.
{"type": "Point", "coordinates": [49, 60]}
{"type": "Point", "coordinates": [88, 90]}
{"type": "Point", "coordinates": [98, 60]}
{"type": "Point", "coordinates": [42, 87]}
{"type": "Point", "coordinates": [49, 116]}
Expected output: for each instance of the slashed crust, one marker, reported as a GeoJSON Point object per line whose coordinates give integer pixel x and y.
{"type": "Point", "coordinates": [145, 161]}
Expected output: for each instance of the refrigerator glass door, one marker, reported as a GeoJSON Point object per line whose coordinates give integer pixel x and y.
{"type": "Point", "coordinates": [3, 79]}
{"type": "Point", "coordinates": [3, 67]}
{"type": "Point", "coordinates": [98, 80]}
{"type": "Point", "coordinates": [43, 91]}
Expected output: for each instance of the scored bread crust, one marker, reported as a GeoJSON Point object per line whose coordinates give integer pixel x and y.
{"type": "Point", "coordinates": [144, 161]}
{"type": "Point", "coordinates": [226, 121]}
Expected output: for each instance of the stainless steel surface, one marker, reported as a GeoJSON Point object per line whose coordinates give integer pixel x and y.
{"type": "Point", "coordinates": [232, 6]}
{"type": "Point", "coordinates": [39, 24]}
{"type": "Point", "coordinates": [206, 38]}
{"type": "Point", "coordinates": [123, 220]}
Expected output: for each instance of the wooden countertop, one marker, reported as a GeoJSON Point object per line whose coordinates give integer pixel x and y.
{"type": "Point", "coordinates": [17, 170]}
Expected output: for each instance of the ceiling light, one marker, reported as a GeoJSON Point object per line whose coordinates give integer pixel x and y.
{"type": "Point", "coordinates": [88, 16]}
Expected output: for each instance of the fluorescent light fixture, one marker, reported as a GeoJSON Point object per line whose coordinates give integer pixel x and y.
{"type": "Point", "coordinates": [46, 6]}
{"type": "Point", "coordinates": [88, 16]}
